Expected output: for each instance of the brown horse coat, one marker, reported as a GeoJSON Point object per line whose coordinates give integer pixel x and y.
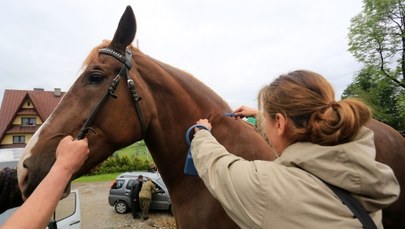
{"type": "Point", "coordinates": [172, 100]}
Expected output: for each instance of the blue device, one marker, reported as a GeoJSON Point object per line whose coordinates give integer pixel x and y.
{"type": "Point", "coordinates": [189, 168]}
{"type": "Point", "coordinates": [230, 114]}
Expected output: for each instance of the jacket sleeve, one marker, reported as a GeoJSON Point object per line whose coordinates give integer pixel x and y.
{"type": "Point", "coordinates": [154, 189]}
{"type": "Point", "coordinates": [233, 181]}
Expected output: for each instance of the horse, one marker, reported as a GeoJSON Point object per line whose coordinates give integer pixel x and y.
{"type": "Point", "coordinates": [158, 104]}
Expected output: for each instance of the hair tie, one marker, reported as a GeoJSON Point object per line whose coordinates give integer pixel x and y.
{"type": "Point", "coordinates": [333, 104]}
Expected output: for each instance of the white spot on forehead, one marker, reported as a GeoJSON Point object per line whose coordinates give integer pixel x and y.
{"type": "Point", "coordinates": [33, 141]}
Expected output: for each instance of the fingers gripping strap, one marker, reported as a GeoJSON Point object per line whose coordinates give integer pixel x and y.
{"type": "Point", "coordinates": [189, 168]}
{"type": "Point", "coordinates": [192, 128]}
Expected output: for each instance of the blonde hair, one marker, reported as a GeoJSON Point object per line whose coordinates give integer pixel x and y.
{"type": "Point", "coordinates": [308, 100]}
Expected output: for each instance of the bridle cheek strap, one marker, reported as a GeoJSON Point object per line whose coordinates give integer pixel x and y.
{"type": "Point", "coordinates": [111, 91]}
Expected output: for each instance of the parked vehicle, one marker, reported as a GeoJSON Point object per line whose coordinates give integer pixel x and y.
{"type": "Point", "coordinates": [67, 212]}
{"type": "Point", "coordinates": [66, 215]}
{"type": "Point", "coordinates": [9, 157]}
{"type": "Point", "coordinates": [120, 189]}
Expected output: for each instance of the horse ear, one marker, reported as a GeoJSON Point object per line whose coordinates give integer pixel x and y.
{"type": "Point", "coordinates": [125, 33]}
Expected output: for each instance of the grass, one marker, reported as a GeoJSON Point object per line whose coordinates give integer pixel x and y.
{"type": "Point", "coordinates": [96, 178]}
{"type": "Point", "coordinates": [135, 150]}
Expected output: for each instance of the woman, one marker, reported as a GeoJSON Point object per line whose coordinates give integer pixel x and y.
{"type": "Point", "coordinates": [318, 140]}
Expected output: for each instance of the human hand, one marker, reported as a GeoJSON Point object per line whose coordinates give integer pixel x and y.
{"type": "Point", "coordinates": [244, 111]}
{"type": "Point", "coordinates": [71, 154]}
{"type": "Point", "coordinates": [205, 123]}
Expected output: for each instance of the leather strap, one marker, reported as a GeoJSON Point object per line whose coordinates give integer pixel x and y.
{"type": "Point", "coordinates": [357, 209]}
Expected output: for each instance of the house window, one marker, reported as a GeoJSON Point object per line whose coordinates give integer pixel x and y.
{"type": "Point", "coordinates": [28, 121]}
{"type": "Point", "coordinates": [18, 139]}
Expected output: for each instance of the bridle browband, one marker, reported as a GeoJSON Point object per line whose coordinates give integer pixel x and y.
{"type": "Point", "coordinates": [126, 60]}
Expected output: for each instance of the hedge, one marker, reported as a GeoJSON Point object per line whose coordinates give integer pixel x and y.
{"type": "Point", "coordinates": [117, 163]}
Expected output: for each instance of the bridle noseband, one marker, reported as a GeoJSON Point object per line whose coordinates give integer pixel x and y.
{"type": "Point", "coordinates": [126, 60]}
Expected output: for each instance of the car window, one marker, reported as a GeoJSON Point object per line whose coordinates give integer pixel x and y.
{"type": "Point", "coordinates": [66, 207]}
{"type": "Point", "coordinates": [160, 181]}
{"type": "Point", "coordinates": [158, 186]}
{"type": "Point", "coordinates": [130, 183]}
{"type": "Point", "coordinates": [118, 184]}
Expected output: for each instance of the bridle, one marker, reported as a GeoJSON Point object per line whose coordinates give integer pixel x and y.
{"type": "Point", "coordinates": [126, 60]}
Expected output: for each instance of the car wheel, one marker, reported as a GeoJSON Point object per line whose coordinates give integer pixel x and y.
{"type": "Point", "coordinates": [121, 207]}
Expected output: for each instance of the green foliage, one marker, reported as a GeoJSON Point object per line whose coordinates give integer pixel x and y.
{"type": "Point", "coordinates": [137, 149]}
{"type": "Point", "coordinates": [376, 39]}
{"type": "Point", "coordinates": [381, 94]}
{"type": "Point", "coordinates": [132, 158]}
{"type": "Point", "coordinates": [401, 107]}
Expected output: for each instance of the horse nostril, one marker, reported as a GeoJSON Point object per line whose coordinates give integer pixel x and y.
{"type": "Point", "coordinates": [27, 163]}
{"type": "Point", "coordinates": [22, 174]}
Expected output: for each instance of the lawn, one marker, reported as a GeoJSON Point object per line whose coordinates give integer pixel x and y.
{"type": "Point", "coordinates": [95, 178]}
{"type": "Point", "coordinates": [136, 150]}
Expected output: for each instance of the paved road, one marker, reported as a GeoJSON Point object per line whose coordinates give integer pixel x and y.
{"type": "Point", "coordinates": [97, 213]}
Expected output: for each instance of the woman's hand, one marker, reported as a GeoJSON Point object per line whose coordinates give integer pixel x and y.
{"type": "Point", "coordinates": [245, 111]}
{"type": "Point", "coordinates": [205, 123]}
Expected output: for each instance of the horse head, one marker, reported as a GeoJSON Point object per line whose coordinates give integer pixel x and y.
{"type": "Point", "coordinates": [108, 129]}
{"type": "Point", "coordinates": [123, 96]}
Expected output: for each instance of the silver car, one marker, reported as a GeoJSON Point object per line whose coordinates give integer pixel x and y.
{"type": "Point", "coordinates": [119, 192]}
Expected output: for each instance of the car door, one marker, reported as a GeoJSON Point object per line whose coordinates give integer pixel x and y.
{"type": "Point", "coordinates": [67, 213]}
{"type": "Point", "coordinates": [161, 200]}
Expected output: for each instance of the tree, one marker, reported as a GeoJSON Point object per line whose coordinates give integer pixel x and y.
{"type": "Point", "coordinates": [377, 39]}
{"type": "Point", "coordinates": [380, 94]}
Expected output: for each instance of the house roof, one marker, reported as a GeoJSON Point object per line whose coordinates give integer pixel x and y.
{"type": "Point", "coordinates": [44, 103]}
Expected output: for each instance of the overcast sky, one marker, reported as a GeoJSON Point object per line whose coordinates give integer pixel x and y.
{"type": "Point", "coordinates": [233, 46]}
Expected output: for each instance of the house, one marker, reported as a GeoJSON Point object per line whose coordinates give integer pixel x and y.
{"type": "Point", "coordinates": [22, 112]}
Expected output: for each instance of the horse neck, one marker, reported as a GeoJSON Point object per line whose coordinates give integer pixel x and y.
{"type": "Point", "coordinates": [178, 100]}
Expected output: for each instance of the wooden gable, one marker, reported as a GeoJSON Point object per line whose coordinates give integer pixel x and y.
{"type": "Point", "coordinates": [35, 104]}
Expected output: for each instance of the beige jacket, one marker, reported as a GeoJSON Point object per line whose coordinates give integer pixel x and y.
{"type": "Point", "coordinates": [148, 188]}
{"type": "Point", "coordinates": [287, 193]}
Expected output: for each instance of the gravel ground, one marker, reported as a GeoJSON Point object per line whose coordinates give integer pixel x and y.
{"type": "Point", "coordinates": [97, 213]}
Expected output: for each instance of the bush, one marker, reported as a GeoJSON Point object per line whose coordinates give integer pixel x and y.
{"type": "Point", "coordinates": [119, 164]}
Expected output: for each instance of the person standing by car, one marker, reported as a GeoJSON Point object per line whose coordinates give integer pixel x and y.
{"type": "Point", "coordinates": [152, 168]}
{"type": "Point", "coordinates": [134, 197]}
{"type": "Point", "coordinates": [145, 197]}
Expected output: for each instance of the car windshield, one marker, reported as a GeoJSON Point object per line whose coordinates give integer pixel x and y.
{"type": "Point", "coordinates": [118, 184]}
{"type": "Point", "coordinates": [160, 181]}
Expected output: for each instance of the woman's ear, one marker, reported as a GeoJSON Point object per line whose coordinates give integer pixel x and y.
{"type": "Point", "coordinates": [281, 123]}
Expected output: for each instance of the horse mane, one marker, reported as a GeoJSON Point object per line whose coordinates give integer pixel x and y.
{"type": "Point", "coordinates": [184, 78]}
{"type": "Point", "coordinates": [93, 55]}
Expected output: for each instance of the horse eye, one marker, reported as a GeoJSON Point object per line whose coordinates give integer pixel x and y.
{"type": "Point", "coordinates": [96, 78]}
